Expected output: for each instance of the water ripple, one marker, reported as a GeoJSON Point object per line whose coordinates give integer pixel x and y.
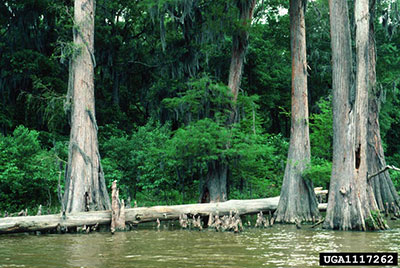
{"type": "Point", "coordinates": [280, 246]}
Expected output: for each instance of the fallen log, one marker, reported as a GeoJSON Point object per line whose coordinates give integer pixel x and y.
{"type": "Point", "coordinates": [149, 214]}
{"type": "Point", "coordinates": [320, 191]}
{"type": "Point", "coordinates": [136, 215]}
{"type": "Point", "coordinates": [321, 194]}
{"type": "Point", "coordinates": [52, 222]}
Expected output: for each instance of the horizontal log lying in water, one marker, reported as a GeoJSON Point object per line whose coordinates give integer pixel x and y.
{"type": "Point", "coordinates": [136, 215]}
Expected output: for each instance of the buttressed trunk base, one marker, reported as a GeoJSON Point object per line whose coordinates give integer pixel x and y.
{"type": "Point", "coordinates": [214, 187]}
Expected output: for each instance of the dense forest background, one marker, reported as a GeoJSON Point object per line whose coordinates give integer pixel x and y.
{"type": "Point", "coordinates": [162, 99]}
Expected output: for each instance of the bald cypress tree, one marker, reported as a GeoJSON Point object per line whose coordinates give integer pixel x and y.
{"type": "Point", "coordinates": [385, 193]}
{"type": "Point", "coordinates": [351, 202]}
{"type": "Point", "coordinates": [297, 199]}
{"type": "Point", "coordinates": [85, 186]}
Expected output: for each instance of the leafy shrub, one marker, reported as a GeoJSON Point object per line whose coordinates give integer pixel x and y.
{"type": "Point", "coordinates": [319, 171]}
{"type": "Point", "coordinates": [321, 132]}
{"type": "Point", "coordinates": [138, 161]}
{"type": "Point", "coordinates": [395, 176]}
{"type": "Point", "coordinates": [321, 135]}
{"type": "Point", "coordinates": [28, 173]}
{"type": "Point", "coordinates": [257, 166]}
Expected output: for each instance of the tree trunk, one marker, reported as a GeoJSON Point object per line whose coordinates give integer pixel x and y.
{"type": "Point", "coordinates": [239, 47]}
{"type": "Point", "coordinates": [384, 190]}
{"type": "Point", "coordinates": [298, 201]}
{"type": "Point", "coordinates": [214, 188]}
{"type": "Point", "coordinates": [85, 187]}
{"type": "Point", "coordinates": [351, 198]}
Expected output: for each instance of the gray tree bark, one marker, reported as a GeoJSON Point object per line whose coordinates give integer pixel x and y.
{"type": "Point", "coordinates": [351, 198]}
{"type": "Point", "coordinates": [385, 193]}
{"type": "Point", "coordinates": [85, 187]}
{"type": "Point", "coordinates": [298, 201]}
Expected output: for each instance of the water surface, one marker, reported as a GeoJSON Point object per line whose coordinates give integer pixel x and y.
{"type": "Point", "coordinates": [280, 246]}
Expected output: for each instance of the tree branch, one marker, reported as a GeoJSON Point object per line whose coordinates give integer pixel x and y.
{"type": "Point", "coordinates": [383, 170]}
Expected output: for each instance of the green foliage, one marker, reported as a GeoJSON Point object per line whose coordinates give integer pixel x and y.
{"type": "Point", "coordinates": [254, 158]}
{"type": "Point", "coordinates": [202, 99]}
{"type": "Point", "coordinates": [67, 51]}
{"type": "Point", "coordinates": [201, 142]}
{"type": "Point", "coordinates": [138, 162]}
{"type": "Point", "coordinates": [321, 130]}
{"type": "Point", "coordinates": [258, 165]}
{"type": "Point", "coordinates": [268, 77]}
{"type": "Point", "coordinates": [389, 95]}
{"type": "Point", "coordinates": [318, 52]}
{"type": "Point", "coordinates": [157, 165]}
{"type": "Point", "coordinates": [32, 81]}
{"type": "Point", "coordinates": [28, 173]}
{"type": "Point", "coordinates": [319, 172]}
{"type": "Point", "coordinates": [395, 176]}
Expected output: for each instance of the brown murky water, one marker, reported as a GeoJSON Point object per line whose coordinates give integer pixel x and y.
{"type": "Point", "coordinates": [280, 246]}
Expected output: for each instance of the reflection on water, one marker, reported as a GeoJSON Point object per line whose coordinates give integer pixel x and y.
{"type": "Point", "coordinates": [280, 246]}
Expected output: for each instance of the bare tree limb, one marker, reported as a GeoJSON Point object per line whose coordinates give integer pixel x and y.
{"type": "Point", "coordinates": [383, 170]}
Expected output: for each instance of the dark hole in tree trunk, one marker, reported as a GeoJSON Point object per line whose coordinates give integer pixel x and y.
{"type": "Point", "coordinates": [206, 196]}
{"type": "Point", "coordinates": [87, 201]}
{"type": "Point", "coordinates": [205, 199]}
{"type": "Point", "coordinates": [358, 160]}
